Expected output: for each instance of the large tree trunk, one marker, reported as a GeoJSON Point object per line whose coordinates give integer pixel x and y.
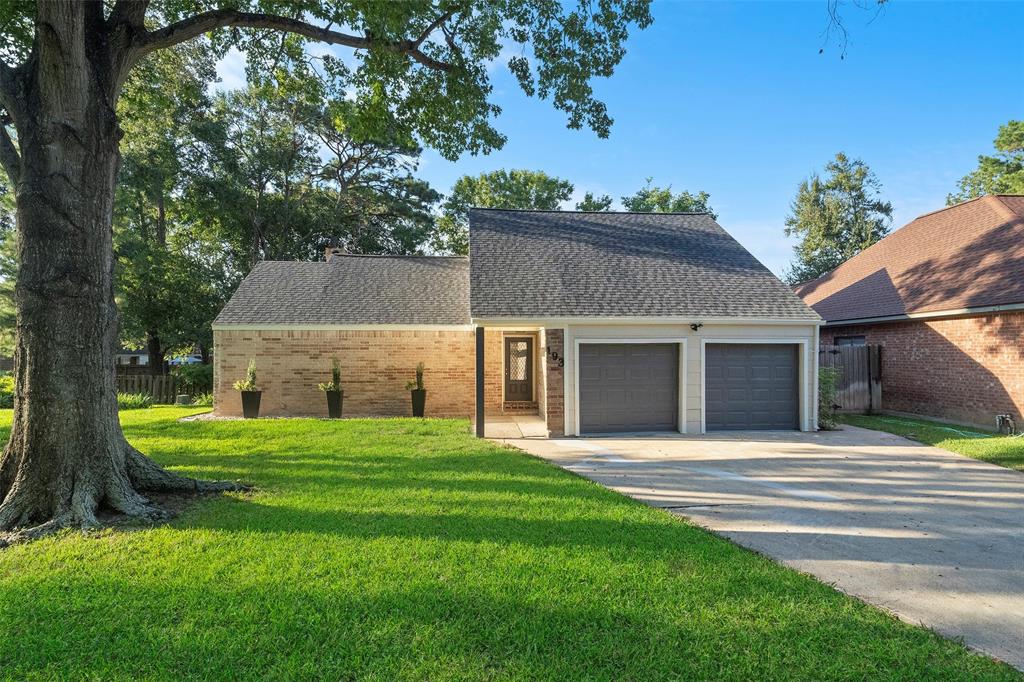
{"type": "Point", "coordinates": [67, 455]}
{"type": "Point", "coordinates": [155, 352]}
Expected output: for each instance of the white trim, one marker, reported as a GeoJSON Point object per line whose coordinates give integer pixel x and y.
{"type": "Point", "coordinates": [805, 366]}
{"type": "Point", "coordinates": [680, 378]}
{"type": "Point", "coordinates": [814, 391]}
{"type": "Point", "coordinates": [517, 322]}
{"type": "Point", "coordinates": [345, 327]}
{"type": "Point", "coordinates": [958, 312]}
{"type": "Point", "coordinates": [565, 382]}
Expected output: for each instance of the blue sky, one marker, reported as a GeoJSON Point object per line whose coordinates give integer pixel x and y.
{"type": "Point", "coordinates": [734, 99]}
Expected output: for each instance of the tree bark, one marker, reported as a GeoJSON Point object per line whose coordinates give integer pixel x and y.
{"type": "Point", "coordinates": [67, 455]}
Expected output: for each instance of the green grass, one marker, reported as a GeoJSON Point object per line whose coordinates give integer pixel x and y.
{"type": "Point", "coordinates": [1006, 451]}
{"type": "Point", "coordinates": [407, 549]}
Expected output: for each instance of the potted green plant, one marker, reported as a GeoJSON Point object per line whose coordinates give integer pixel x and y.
{"type": "Point", "coordinates": [332, 388]}
{"type": "Point", "coordinates": [419, 394]}
{"type": "Point", "coordinates": [250, 393]}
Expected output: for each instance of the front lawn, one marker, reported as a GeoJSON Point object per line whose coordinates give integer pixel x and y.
{"type": "Point", "coordinates": [1007, 451]}
{"type": "Point", "coordinates": [407, 549]}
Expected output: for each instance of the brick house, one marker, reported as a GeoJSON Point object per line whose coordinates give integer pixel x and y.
{"type": "Point", "coordinates": [944, 297]}
{"type": "Point", "coordinates": [595, 322]}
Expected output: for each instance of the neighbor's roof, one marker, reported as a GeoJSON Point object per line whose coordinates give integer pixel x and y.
{"type": "Point", "coordinates": [966, 256]}
{"type": "Point", "coordinates": [573, 264]}
{"type": "Point", "coordinates": [350, 289]}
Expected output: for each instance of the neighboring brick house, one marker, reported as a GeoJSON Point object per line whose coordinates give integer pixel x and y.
{"type": "Point", "coordinates": [944, 297]}
{"type": "Point", "coordinates": [597, 322]}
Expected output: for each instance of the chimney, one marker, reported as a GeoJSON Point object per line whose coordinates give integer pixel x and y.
{"type": "Point", "coordinates": [332, 251]}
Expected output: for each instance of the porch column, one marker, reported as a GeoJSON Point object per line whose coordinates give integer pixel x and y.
{"type": "Point", "coordinates": [480, 382]}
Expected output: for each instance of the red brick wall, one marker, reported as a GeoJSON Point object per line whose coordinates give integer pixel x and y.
{"type": "Point", "coordinates": [554, 342]}
{"type": "Point", "coordinates": [375, 366]}
{"type": "Point", "coordinates": [965, 369]}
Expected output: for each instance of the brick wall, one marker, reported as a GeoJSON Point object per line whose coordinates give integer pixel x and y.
{"type": "Point", "coordinates": [554, 341]}
{"type": "Point", "coordinates": [493, 363]}
{"type": "Point", "coordinates": [964, 369]}
{"type": "Point", "coordinates": [375, 366]}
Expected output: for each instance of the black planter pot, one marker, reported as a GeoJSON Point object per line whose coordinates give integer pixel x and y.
{"type": "Point", "coordinates": [251, 404]}
{"type": "Point", "coordinates": [334, 403]}
{"type": "Point", "coordinates": [419, 401]}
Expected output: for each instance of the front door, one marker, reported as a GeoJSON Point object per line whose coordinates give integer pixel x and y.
{"type": "Point", "coordinates": [518, 368]}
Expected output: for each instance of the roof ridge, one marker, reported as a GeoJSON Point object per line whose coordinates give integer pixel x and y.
{"type": "Point", "coordinates": [995, 197]}
{"type": "Point", "coordinates": [959, 204]}
{"type": "Point", "coordinates": [390, 255]}
{"type": "Point", "coordinates": [575, 211]}
{"type": "Point", "coordinates": [1013, 214]}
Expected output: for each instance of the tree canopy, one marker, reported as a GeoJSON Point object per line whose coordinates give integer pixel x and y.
{"type": "Point", "coordinates": [835, 217]}
{"type": "Point", "coordinates": [653, 199]}
{"type": "Point", "coordinates": [518, 189]}
{"type": "Point", "coordinates": [594, 203]}
{"type": "Point", "coordinates": [1002, 173]}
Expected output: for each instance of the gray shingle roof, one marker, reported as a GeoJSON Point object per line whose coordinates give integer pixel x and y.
{"type": "Point", "coordinates": [569, 264]}
{"type": "Point", "coordinates": [353, 290]}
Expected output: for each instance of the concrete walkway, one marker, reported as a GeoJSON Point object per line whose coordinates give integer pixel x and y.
{"type": "Point", "coordinates": [516, 426]}
{"type": "Point", "coordinates": [934, 537]}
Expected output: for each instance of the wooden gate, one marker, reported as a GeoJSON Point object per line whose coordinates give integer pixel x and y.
{"type": "Point", "coordinates": [859, 385]}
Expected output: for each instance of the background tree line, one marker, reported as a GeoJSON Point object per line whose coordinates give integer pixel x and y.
{"type": "Point", "coordinates": [213, 182]}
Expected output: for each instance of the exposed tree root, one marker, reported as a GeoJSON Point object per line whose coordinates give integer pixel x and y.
{"type": "Point", "coordinates": [145, 474]}
{"type": "Point", "coordinates": [28, 513]}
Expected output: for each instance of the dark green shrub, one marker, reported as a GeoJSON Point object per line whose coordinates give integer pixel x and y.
{"type": "Point", "coordinates": [828, 379]}
{"type": "Point", "coordinates": [196, 378]}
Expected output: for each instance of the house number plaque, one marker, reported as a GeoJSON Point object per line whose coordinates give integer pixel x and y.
{"type": "Point", "coordinates": [555, 357]}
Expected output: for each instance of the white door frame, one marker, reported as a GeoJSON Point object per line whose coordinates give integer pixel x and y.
{"type": "Point", "coordinates": [680, 341]}
{"type": "Point", "coordinates": [803, 367]}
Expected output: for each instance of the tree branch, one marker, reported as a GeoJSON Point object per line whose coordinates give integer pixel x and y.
{"type": "Point", "coordinates": [8, 88]}
{"type": "Point", "coordinates": [205, 22]}
{"type": "Point", "coordinates": [10, 159]}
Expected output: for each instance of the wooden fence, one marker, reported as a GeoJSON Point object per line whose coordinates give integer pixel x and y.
{"type": "Point", "coordinates": [859, 386]}
{"type": "Point", "coordinates": [163, 387]}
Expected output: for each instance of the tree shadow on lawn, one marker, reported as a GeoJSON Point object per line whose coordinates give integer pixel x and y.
{"type": "Point", "coordinates": [174, 625]}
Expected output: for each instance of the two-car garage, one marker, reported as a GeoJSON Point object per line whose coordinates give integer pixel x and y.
{"type": "Point", "coordinates": [635, 387]}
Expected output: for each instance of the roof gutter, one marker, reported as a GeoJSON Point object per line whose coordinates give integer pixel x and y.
{"type": "Point", "coordinates": [354, 327]}
{"type": "Point", "coordinates": [930, 315]}
{"type": "Point", "coordinates": [562, 321]}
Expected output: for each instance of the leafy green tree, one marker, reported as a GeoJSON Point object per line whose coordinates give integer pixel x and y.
{"type": "Point", "coordinates": [1002, 173]}
{"type": "Point", "coordinates": [592, 203]}
{"type": "Point", "coordinates": [513, 189]}
{"type": "Point", "coordinates": [420, 69]}
{"type": "Point", "coordinates": [835, 217]}
{"type": "Point", "coordinates": [653, 199]}
{"type": "Point", "coordinates": [160, 290]}
{"type": "Point", "coordinates": [288, 173]}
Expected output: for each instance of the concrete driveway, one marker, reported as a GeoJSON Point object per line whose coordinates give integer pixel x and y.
{"type": "Point", "coordinates": [936, 538]}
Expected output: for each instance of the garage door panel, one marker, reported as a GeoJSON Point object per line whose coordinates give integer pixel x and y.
{"type": "Point", "coordinates": [751, 386]}
{"type": "Point", "coordinates": [628, 387]}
